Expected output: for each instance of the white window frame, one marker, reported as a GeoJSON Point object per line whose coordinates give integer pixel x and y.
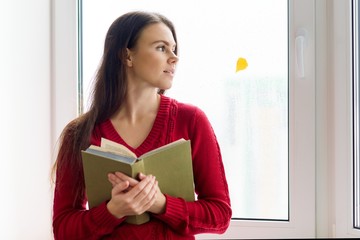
{"type": "Point", "coordinates": [355, 117]}
{"type": "Point", "coordinates": [64, 65]}
{"type": "Point", "coordinates": [340, 150]}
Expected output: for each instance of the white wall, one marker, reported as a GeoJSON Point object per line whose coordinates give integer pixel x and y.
{"type": "Point", "coordinates": [25, 122]}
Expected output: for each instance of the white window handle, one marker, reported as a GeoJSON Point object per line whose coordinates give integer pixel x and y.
{"type": "Point", "coordinates": [299, 52]}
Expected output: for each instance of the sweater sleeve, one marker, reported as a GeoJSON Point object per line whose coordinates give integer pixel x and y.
{"type": "Point", "coordinates": [74, 221]}
{"type": "Point", "coordinates": [211, 212]}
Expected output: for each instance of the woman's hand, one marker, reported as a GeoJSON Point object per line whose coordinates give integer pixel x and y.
{"type": "Point", "coordinates": [131, 197]}
{"type": "Point", "coordinates": [160, 201]}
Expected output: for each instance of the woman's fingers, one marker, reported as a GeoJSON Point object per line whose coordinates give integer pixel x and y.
{"type": "Point", "coordinates": [160, 202]}
{"type": "Point", "coordinates": [113, 179]}
{"type": "Point", "coordinates": [127, 200]}
{"type": "Point", "coordinates": [146, 190]}
{"type": "Point", "coordinates": [120, 188]}
{"type": "Point", "coordinates": [124, 177]}
{"type": "Point", "coordinates": [117, 177]}
{"type": "Point", "coordinates": [143, 194]}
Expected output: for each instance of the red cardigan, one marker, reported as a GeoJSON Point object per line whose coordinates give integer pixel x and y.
{"type": "Point", "coordinates": [210, 213]}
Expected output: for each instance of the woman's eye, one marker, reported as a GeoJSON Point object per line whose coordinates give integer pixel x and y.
{"type": "Point", "coordinates": [162, 48]}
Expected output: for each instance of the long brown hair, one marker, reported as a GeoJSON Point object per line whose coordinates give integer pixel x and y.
{"type": "Point", "coordinates": [109, 91]}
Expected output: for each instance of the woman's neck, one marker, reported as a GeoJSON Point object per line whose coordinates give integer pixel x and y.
{"type": "Point", "coordinates": [138, 106]}
{"type": "Point", "coordinates": [135, 119]}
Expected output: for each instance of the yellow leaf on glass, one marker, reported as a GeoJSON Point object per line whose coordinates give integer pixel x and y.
{"type": "Point", "coordinates": [241, 64]}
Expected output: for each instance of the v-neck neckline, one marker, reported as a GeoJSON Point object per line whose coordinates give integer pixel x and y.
{"type": "Point", "coordinates": [156, 129]}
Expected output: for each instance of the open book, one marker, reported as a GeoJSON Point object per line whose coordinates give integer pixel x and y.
{"type": "Point", "coordinates": [171, 164]}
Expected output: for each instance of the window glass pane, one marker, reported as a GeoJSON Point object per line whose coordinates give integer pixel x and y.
{"type": "Point", "coordinates": [248, 108]}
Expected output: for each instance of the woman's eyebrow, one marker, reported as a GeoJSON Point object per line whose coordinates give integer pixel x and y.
{"type": "Point", "coordinates": [164, 42]}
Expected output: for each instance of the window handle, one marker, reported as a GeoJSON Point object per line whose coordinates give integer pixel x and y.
{"type": "Point", "coordinates": [299, 52]}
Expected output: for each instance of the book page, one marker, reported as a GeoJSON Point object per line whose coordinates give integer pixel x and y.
{"type": "Point", "coordinates": [116, 148]}
{"type": "Point", "coordinates": [99, 151]}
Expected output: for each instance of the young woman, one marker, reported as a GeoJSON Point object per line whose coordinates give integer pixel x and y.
{"type": "Point", "coordinates": [129, 107]}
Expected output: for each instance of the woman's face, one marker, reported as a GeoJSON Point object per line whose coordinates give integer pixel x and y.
{"type": "Point", "coordinates": [152, 62]}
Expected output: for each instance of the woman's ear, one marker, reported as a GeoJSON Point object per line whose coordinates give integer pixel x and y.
{"type": "Point", "coordinates": [129, 62]}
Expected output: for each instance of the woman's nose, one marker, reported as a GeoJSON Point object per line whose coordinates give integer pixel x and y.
{"type": "Point", "coordinates": [173, 58]}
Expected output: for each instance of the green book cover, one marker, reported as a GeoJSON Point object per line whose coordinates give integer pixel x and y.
{"type": "Point", "coordinates": [171, 164]}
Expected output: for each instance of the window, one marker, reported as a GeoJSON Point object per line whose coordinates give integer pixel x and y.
{"type": "Point", "coordinates": [248, 108]}
{"type": "Point", "coordinates": [269, 188]}
{"type": "Point", "coordinates": [342, 72]}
